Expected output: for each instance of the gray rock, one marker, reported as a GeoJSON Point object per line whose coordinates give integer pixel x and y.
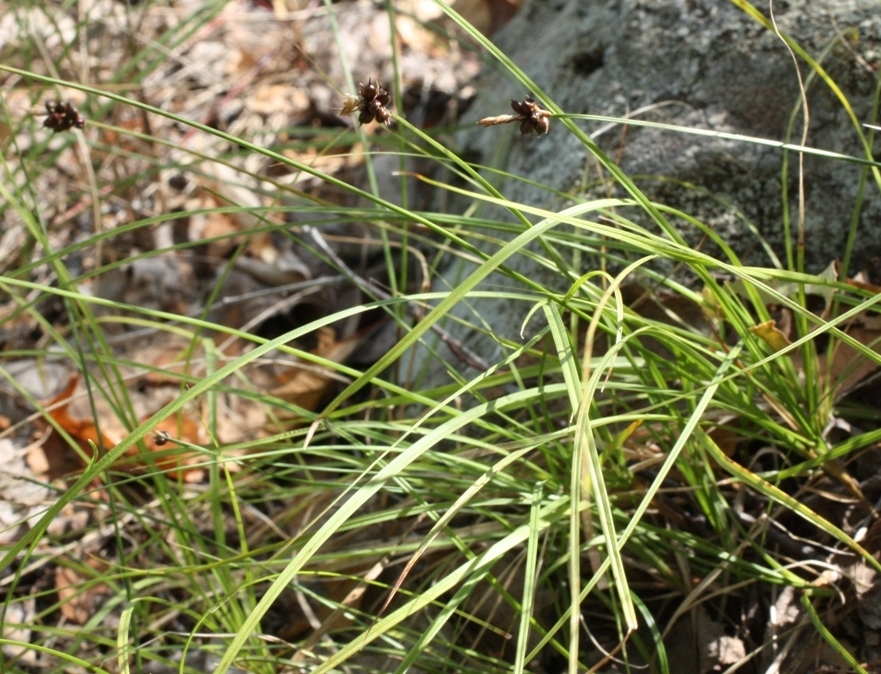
{"type": "Point", "coordinates": [699, 63]}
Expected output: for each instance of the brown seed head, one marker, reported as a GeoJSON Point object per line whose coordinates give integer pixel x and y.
{"type": "Point", "coordinates": [371, 102]}
{"type": "Point", "coordinates": [62, 116]}
{"type": "Point", "coordinates": [530, 116]}
{"type": "Point", "coordinates": [368, 91]}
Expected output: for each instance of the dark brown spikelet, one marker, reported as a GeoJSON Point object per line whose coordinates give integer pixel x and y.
{"type": "Point", "coordinates": [369, 91]}
{"type": "Point", "coordinates": [529, 114]}
{"type": "Point", "coordinates": [371, 103]}
{"type": "Point", "coordinates": [382, 98]}
{"type": "Point", "coordinates": [62, 116]}
{"type": "Point", "coordinates": [532, 117]}
{"type": "Point", "coordinates": [524, 107]}
{"type": "Point", "coordinates": [383, 116]}
{"type": "Point", "coordinates": [541, 125]}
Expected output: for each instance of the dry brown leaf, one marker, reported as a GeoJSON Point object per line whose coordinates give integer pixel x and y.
{"type": "Point", "coordinates": [217, 225]}
{"type": "Point", "coordinates": [184, 427]}
{"type": "Point", "coordinates": [858, 282]}
{"type": "Point", "coordinates": [78, 604]}
{"type": "Point", "coordinates": [83, 431]}
{"type": "Point", "coordinates": [771, 335]}
{"type": "Point", "coordinates": [242, 417]}
{"type": "Point", "coordinates": [38, 460]}
{"type": "Point", "coordinates": [726, 439]}
{"type": "Point", "coordinates": [308, 385]}
{"type": "Point", "coordinates": [847, 367]}
{"type": "Point", "coordinates": [164, 457]}
{"type": "Point", "coordinates": [269, 99]}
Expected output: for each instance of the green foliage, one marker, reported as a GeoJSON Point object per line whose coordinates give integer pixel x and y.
{"type": "Point", "coordinates": [500, 510]}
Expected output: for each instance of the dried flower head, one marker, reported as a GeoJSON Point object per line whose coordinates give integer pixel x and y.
{"type": "Point", "coordinates": [161, 438]}
{"type": "Point", "coordinates": [371, 102]}
{"type": "Point", "coordinates": [529, 114]}
{"type": "Point", "coordinates": [351, 104]}
{"type": "Point", "coordinates": [62, 116]}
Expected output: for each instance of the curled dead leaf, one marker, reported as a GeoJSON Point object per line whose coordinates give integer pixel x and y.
{"type": "Point", "coordinates": [173, 461]}
{"type": "Point", "coordinates": [771, 335]}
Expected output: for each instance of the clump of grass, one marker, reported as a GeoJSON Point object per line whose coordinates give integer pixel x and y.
{"type": "Point", "coordinates": [632, 460]}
